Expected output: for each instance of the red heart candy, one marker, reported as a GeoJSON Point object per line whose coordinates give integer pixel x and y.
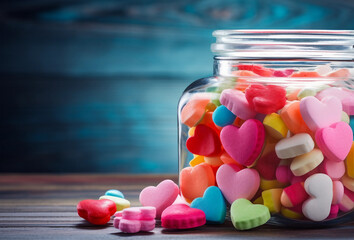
{"type": "Point", "coordinates": [181, 216]}
{"type": "Point", "coordinates": [260, 70]}
{"type": "Point", "coordinates": [267, 165]}
{"type": "Point", "coordinates": [204, 142]}
{"type": "Point", "coordinates": [266, 99]}
{"type": "Point", "coordinates": [97, 212]}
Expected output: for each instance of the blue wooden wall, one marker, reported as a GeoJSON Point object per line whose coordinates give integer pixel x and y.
{"type": "Point", "coordinates": [92, 86]}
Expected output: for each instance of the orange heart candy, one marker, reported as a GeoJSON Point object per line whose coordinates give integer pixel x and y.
{"type": "Point", "coordinates": [193, 181]}
{"type": "Point", "coordinates": [194, 110]}
{"type": "Point", "coordinates": [208, 120]}
{"type": "Point", "coordinates": [293, 120]}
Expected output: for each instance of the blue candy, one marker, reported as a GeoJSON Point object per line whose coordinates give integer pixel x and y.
{"type": "Point", "coordinates": [212, 204]}
{"type": "Point", "coordinates": [114, 193]}
{"type": "Point", "coordinates": [351, 123]}
{"type": "Point", "coordinates": [223, 116]}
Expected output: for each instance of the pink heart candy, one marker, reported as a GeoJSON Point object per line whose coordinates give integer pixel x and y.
{"type": "Point", "coordinates": [129, 226]}
{"type": "Point", "coordinates": [160, 197]}
{"type": "Point", "coordinates": [244, 144]}
{"type": "Point", "coordinates": [181, 216]}
{"type": "Point", "coordinates": [236, 102]}
{"type": "Point", "coordinates": [235, 183]}
{"type": "Point", "coordinates": [333, 169]}
{"type": "Point", "coordinates": [320, 114]}
{"type": "Point", "coordinates": [338, 192]}
{"type": "Point", "coordinates": [335, 141]}
{"type": "Point", "coordinates": [346, 97]}
{"type": "Point", "coordinates": [135, 219]}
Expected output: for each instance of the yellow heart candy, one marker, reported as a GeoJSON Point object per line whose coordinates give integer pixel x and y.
{"type": "Point", "coordinates": [196, 160]}
{"type": "Point", "coordinates": [275, 126]}
{"type": "Point", "coordinates": [271, 199]}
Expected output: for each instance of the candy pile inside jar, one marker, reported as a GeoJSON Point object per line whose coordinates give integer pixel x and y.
{"type": "Point", "coordinates": [287, 148]}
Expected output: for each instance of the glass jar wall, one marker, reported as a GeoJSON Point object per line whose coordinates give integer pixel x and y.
{"type": "Point", "coordinates": [274, 125]}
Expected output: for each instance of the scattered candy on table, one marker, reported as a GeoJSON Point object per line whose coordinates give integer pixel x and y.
{"type": "Point", "coordinates": [181, 216]}
{"type": "Point", "coordinates": [135, 219]}
{"type": "Point", "coordinates": [121, 203]}
{"type": "Point", "coordinates": [212, 204]}
{"type": "Point", "coordinates": [114, 193]}
{"type": "Point", "coordinates": [160, 197]}
{"type": "Point", "coordinates": [97, 212]}
{"type": "Point", "coordinates": [260, 149]}
{"type": "Point", "coordinates": [246, 215]}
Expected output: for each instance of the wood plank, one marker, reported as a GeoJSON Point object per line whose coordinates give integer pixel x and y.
{"type": "Point", "coordinates": [39, 213]}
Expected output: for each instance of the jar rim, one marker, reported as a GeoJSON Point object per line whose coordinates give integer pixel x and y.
{"type": "Point", "coordinates": [336, 45]}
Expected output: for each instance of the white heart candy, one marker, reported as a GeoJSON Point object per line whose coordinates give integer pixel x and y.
{"type": "Point", "coordinates": [320, 188]}
{"type": "Point", "coordinates": [294, 146]}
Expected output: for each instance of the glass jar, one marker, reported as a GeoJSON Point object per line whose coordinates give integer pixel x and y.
{"type": "Point", "coordinates": [280, 107]}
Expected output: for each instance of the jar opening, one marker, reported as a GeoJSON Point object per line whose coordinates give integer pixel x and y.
{"type": "Point", "coordinates": [334, 45]}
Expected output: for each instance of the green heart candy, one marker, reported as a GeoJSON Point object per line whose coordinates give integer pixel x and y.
{"type": "Point", "coordinates": [246, 215]}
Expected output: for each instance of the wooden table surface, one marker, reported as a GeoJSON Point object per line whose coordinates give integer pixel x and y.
{"type": "Point", "coordinates": [44, 207]}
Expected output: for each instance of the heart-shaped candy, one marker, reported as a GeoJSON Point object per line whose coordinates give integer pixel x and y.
{"type": "Point", "coordinates": [235, 183]}
{"type": "Point", "coordinates": [244, 144]}
{"type": "Point", "coordinates": [306, 75]}
{"type": "Point", "coordinates": [294, 146]}
{"type": "Point", "coordinates": [181, 216]}
{"type": "Point", "coordinates": [284, 73]}
{"type": "Point", "coordinates": [293, 195]}
{"type": "Point", "coordinates": [121, 203]}
{"type": "Point", "coordinates": [283, 173]}
{"type": "Point", "coordinates": [266, 99]}
{"type": "Point", "coordinates": [333, 169]}
{"type": "Point", "coordinates": [320, 114]}
{"type": "Point", "coordinates": [346, 97]}
{"type": "Point", "coordinates": [348, 182]}
{"type": "Point", "coordinates": [320, 188]}
{"type": "Point", "coordinates": [135, 219]}
{"type": "Point", "coordinates": [258, 69]}
{"type": "Point", "coordinates": [306, 163]}
{"type": "Point", "coordinates": [204, 142]}
{"type": "Point", "coordinates": [335, 141]}
{"type": "Point", "coordinates": [97, 212]}
{"type": "Point", "coordinates": [267, 165]}
{"type": "Point", "coordinates": [338, 192]}
{"type": "Point", "coordinates": [292, 118]}
{"type": "Point", "coordinates": [271, 199]}
{"type": "Point", "coordinates": [245, 215]}
{"type": "Point", "coordinates": [347, 203]}
{"type": "Point", "coordinates": [350, 161]}
{"type": "Point", "coordinates": [114, 193]}
{"type": "Point", "coordinates": [212, 204]}
{"type": "Point", "coordinates": [236, 102]}
{"type": "Point", "coordinates": [160, 197]}
{"type": "Point", "coordinates": [194, 110]}
{"type": "Point", "coordinates": [193, 181]}
{"type": "Point", "coordinates": [275, 126]}
{"type": "Point", "coordinates": [223, 116]}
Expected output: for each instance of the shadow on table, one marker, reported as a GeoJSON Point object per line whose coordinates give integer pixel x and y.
{"type": "Point", "coordinates": [122, 234]}
{"type": "Point", "coordinates": [86, 225]}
